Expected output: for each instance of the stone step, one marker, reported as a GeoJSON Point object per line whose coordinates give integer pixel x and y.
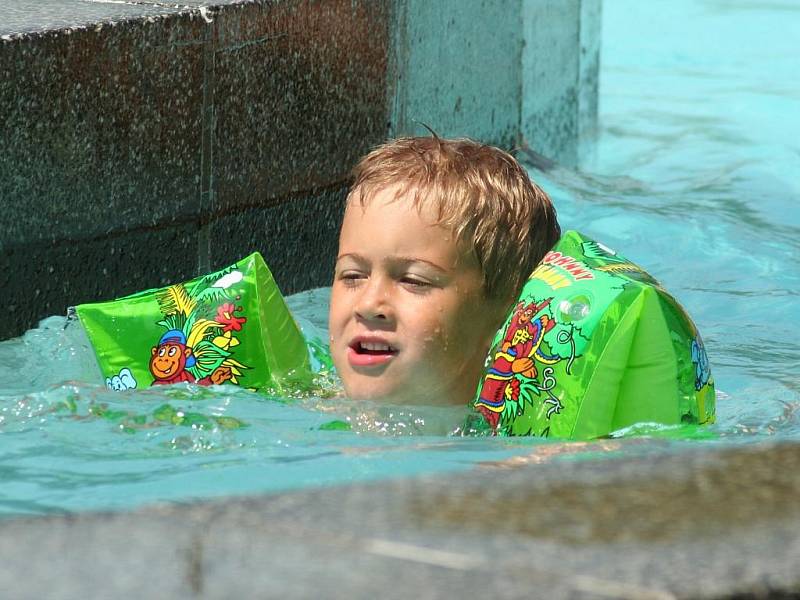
{"type": "Point", "coordinates": [566, 521]}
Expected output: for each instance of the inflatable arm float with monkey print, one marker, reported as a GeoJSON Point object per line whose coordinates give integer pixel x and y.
{"type": "Point", "coordinates": [594, 345]}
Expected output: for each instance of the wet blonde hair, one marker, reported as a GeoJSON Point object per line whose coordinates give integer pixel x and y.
{"type": "Point", "coordinates": [479, 191]}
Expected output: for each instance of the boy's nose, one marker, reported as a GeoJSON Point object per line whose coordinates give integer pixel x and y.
{"type": "Point", "coordinates": [373, 303]}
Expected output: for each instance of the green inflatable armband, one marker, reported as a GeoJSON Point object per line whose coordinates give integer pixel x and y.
{"type": "Point", "coordinates": [594, 344]}
{"type": "Point", "coordinates": [229, 326]}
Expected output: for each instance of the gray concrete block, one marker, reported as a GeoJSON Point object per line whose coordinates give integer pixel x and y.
{"type": "Point", "coordinates": [559, 84]}
{"type": "Point", "coordinates": [673, 522]}
{"type": "Point", "coordinates": [458, 69]}
{"type": "Point", "coordinates": [41, 278]}
{"type": "Point", "coordinates": [158, 116]}
{"type": "Point", "coordinates": [31, 16]}
{"type": "Point", "coordinates": [101, 130]}
{"type": "Point", "coordinates": [550, 77]}
{"type": "Point", "coordinates": [589, 72]}
{"type": "Point", "coordinates": [298, 96]}
{"type": "Point", "coordinates": [298, 237]}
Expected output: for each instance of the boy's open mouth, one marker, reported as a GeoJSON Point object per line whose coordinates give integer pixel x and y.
{"type": "Point", "coordinates": [373, 348]}
{"type": "Point", "coordinates": [367, 353]}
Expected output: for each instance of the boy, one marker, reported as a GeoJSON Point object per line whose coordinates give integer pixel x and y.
{"type": "Point", "coordinates": [437, 240]}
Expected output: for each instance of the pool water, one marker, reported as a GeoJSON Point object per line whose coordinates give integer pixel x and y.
{"type": "Point", "coordinates": [693, 176]}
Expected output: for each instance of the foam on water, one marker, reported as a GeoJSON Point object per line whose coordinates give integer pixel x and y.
{"type": "Point", "coordinates": [693, 177]}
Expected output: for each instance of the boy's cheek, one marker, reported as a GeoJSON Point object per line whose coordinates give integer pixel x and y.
{"type": "Point", "coordinates": [335, 320]}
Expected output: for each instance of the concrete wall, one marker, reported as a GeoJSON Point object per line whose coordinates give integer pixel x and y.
{"type": "Point", "coordinates": [459, 70]}
{"type": "Point", "coordinates": [513, 72]}
{"type": "Point", "coordinates": [560, 66]}
{"type": "Point", "coordinates": [705, 522]}
{"type": "Point", "coordinates": [143, 143]}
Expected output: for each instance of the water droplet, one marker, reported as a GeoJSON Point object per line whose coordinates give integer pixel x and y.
{"type": "Point", "coordinates": [574, 309]}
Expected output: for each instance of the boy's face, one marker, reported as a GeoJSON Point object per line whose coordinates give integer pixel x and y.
{"type": "Point", "coordinates": [409, 322]}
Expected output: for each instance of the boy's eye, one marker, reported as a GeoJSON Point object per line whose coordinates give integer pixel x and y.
{"type": "Point", "coordinates": [415, 282]}
{"type": "Point", "coordinates": [350, 278]}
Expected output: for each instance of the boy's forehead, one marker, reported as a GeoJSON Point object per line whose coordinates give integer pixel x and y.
{"type": "Point", "coordinates": [389, 201]}
{"type": "Point", "coordinates": [365, 222]}
{"type": "Point", "coordinates": [425, 203]}
{"type": "Point", "coordinates": [395, 200]}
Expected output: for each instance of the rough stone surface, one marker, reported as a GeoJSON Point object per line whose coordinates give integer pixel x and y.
{"type": "Point", "coordinates": [38, 277]}
{"type": "Point", "coordinates": [461, 62]}
{"type": "Point", "coordinates": [559, 85]}
{"type": "Point", "coordinates": [174, 124]}
{"type": "Point", "coordinates": [589, 71]}
{"type": "Point", "coordinates": [298, 238]}
{"type": "Point", "coordinates": [29, 16]}
{"type": "Point", "coordinates": [103, 130]}
{"type": "Point", "coordinates": [299, 96]}
{"type": "Point", "coordinates": [549, 118]}
{"type": "Point", "coordinates": [128, 124]}
{"type": "Point", "coordinates": [694, 523]}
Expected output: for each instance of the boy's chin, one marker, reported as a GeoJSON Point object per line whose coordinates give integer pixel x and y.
{"type": "Point", "coordinates": [397, 395]}
{"type": "Point", "coordinates": [373, 393]}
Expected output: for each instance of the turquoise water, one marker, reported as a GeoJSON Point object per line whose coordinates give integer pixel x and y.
{"type": "Point", "coordinates": [692, 176]}
{"type": "Point", "coordinates": [695, 177]}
